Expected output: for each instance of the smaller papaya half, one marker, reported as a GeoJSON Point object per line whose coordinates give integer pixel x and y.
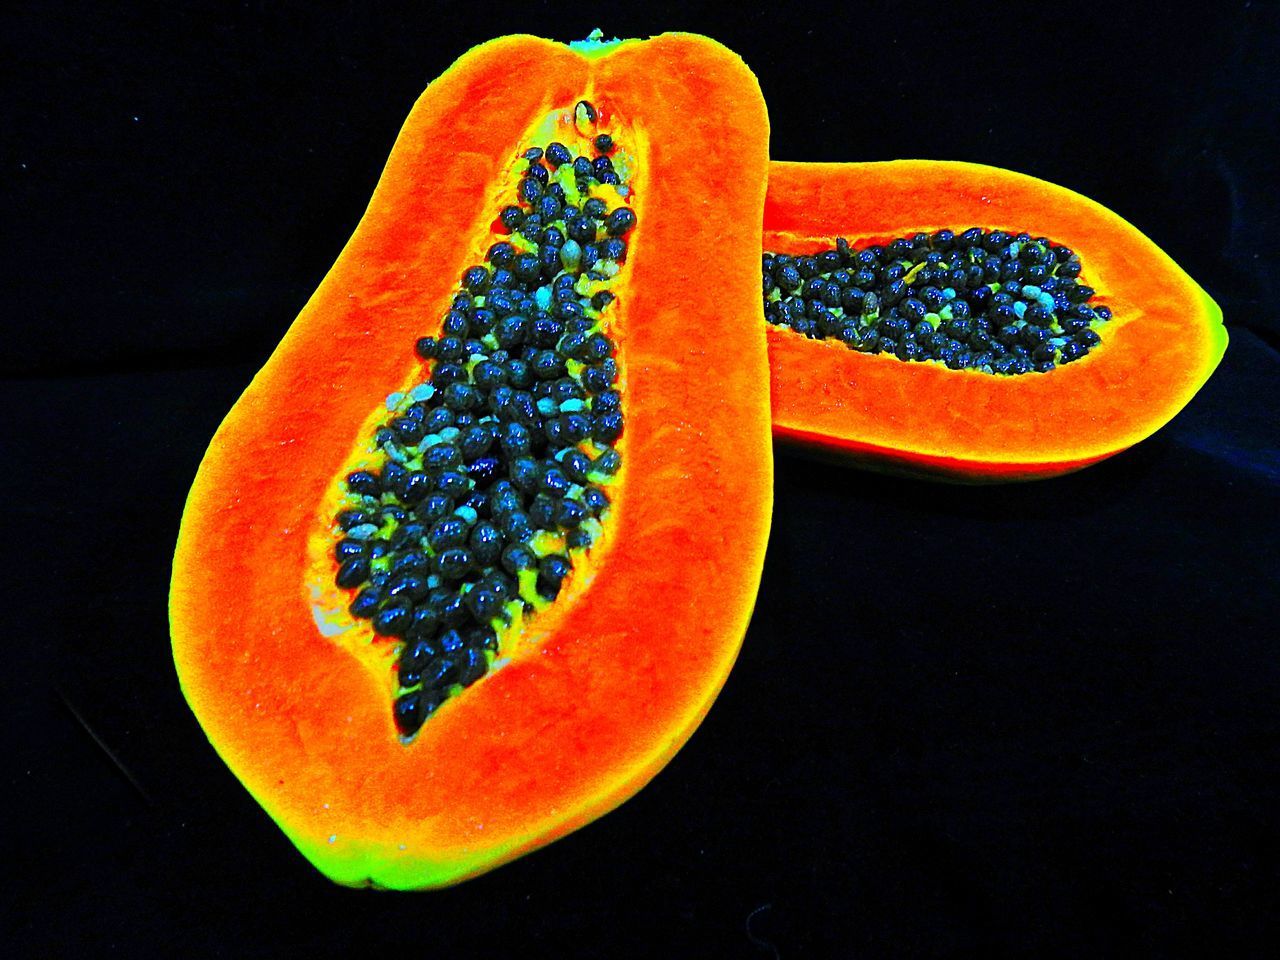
{"type": "Point", "coordinates": [474, 552]}
{"type": "Point", "coordinates": [1140, 338]}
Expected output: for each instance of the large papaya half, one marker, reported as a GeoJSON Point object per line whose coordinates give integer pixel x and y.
{"type": "Point", "coordinates": [1040, 331]}
{"type": "Point", "coordinates": [474, 552]}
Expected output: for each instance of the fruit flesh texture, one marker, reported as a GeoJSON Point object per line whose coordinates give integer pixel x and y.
{"type": "Point", "coordinates": [1163, 342]}
{"type": "Point", "coordinates": [619, 672]}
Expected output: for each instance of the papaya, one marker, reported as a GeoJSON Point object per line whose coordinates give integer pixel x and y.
{"type": "Point", "coordinates": [472, 555]}
{"type": "Point", "coordinates": [903, 362]}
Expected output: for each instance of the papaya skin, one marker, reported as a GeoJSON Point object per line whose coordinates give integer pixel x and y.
{"type": "Point", "coordinates": [613, 678]}
{"type": "Point", "coordinates": [922, 419]}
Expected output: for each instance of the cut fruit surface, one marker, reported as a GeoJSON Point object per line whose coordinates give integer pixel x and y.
{"type": "Point", "coordinates": [1164, 338]}
{"type": "Point", "coordinates": [590, 695]}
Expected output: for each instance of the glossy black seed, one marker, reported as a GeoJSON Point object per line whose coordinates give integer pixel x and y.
{"type": "Point", "coordinates": [411, 709]}
{"type": "Point", "coordinates": [614, 248]}
{"type": "Point", "coordinates": [531, 229]}
{"type": "Point", "coordinates": [521, 407]}
{"type": "Point", "coordinates": [595, 500]}
{"type": "Point", "coordinates": [511, 217]}
{"type": "Point", "coordinates": [450, 641]}
{"type": "Point", "coordinates": [527, 268]}
{"type": "Point", "coordinates": [421, 649]}
{"type": "Point", "coordinates": [346, 549]}
{"type": "Point", "coordinates": [450, 348]}
{"type": "Point", "coordinates": [452, 484]}
{"type": "Point", "coordinates": [548, 365]}
{"type": "Point", "coordinates": [538, 172]}
{"type": "Point", "coordinates": [607, 427]}
{"type": "Point", "coordinates": [552, 570]}
{"type": "Point", "coordinates": [1044, 351]}
{"type": "Point", "coordinates": [526, 473]}
{"type": "Point", "coordinates": [453, 564]}
{"type": "Point", "coordinates": [542, 512]}
{"type": "Point", "coordinates": [596, 380]}
{"type": "Point", "coordinates": [408, 535]}
{"type": "Point", "coordinates": [788, 278]}
{"type": "Point", "coordinates": [353, 572]}
{"type": "Point", "coordinates": [472, 665]}
{"type": "Point", "coordinates": [572, 428]}
{"type": "Point", "coordinates": [447, 532]}
{"type": "Point", "coordinates": [411, 561]}
{"type": "Point", "coordinates": [365, 605]}
{"type": "Point", "coordinates": [569, 513]}
{"type": "Point", "coordinates": [619, 222]}
{"type": "Point", "coordinates": [608, 463]}
{"type": "Point", "coordinates": [554, 482]}
{"type": "Point", "coordinates": [462, 396]}
{"type": "Point", "coordinates": [566, 389]}
{"type": "Point", "coordinates": [501, 254]}
{"type": "Point", "coordinates": [394, 618]}
{"type": "Point", "coordinates": [450, 608]}
{"type": "Point", "coordinates": [581, 230]}
{"type": "Point", "coordinates": [576, 466]}
{"type": "Point", "coordinates": [475, 279]}
{"type": "Point", "coordinates": [483, 603]}
{"type": "Point", "coordinates": [354, 518]}
{"type": "Point", "coordinates": [530, 191]}
{"type": "Point", "coordinates": [558, 154]}
{"type": "Point", "coordinates": [511, 331]}
{"type": "Point", "coordinates": [433, 507]}
{"type": "Point", "coordinates": [504, 499]}
{"type": "Point", "coordinates": [414, 487]}
{"type": "Point", "coordinates": [604, 142]}
{"type": "Point", "coordinates": [408, 585]}
{"type": "Point", "coordinates": [485, 543]}
{"type": "Point", "coordinates": [1032, 335]}
{"type": "Point", "coordinates": [442, 671]}
{"type": "Point", "coordinates": [546, 331]}
{"type": "Point", "coordinates": [517, 556]}
{"type": "Point", "coordinates": [447, 373]}
{"type": "Point", "coordinates": [1072, 350]}
{"type": "Point", "coordinates": [484, 470]}
{"type": "Point", "coordinates": [606, 401]}
{"type": "Point", "coordinates": [426, 347]}
{"type": "Point", "coordinates": [519, 374]}
{"type": "Point", "coordinates": [476, 441]}
{"type": "Point", "coordinates": [364, 483]}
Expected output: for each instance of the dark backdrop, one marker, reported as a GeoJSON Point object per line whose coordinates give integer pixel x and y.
{"type": "Point", "coordinates": [1033, 719]}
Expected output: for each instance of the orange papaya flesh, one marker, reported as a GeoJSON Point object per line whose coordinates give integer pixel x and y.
{"type": "Point", "coordinates": [1163, 339]}
{"type": "Point", "coordinates": [592, 694]}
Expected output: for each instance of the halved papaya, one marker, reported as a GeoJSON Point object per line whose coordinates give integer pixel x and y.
{"type": "Point", "coordinates": [1162, 341]}
{"type": "Point", "coordinates": [564, 707]}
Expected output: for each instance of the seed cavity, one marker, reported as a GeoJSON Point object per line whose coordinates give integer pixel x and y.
{"type": "Point", "coordinates": [983, 300]}
{"type": "Point", "coordinates": [491, 475]}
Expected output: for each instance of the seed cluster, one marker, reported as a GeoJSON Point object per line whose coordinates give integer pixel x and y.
{"type": "Point", "coordinates": [982, 299]}
{"type": "Point", "coordinates": [495, 468]}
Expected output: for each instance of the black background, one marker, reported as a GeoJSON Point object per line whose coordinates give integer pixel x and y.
{"type": "Point", "coordinates": [995, 721]}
